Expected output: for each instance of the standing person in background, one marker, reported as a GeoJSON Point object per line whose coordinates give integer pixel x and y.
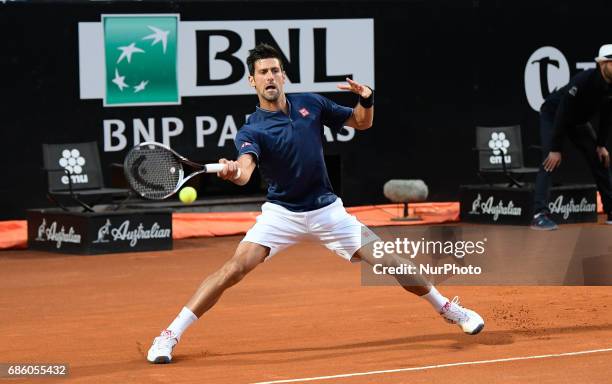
{"type": "Point", "coordinates": [566, 113]}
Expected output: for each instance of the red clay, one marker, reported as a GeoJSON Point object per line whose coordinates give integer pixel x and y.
{"type": "Point", "coordinates": [302, 314]}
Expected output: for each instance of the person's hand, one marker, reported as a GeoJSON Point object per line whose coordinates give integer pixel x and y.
{"type": "Point", "coordinates": [231, 170]}
{"type": "Point", "coordinates": [552, 161]}
{"type": "Point", "coordinates": [355, 87]}
{"type": "Point", "coordinates": [604, 156]}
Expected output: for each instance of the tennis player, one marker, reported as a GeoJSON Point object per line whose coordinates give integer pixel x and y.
{"type": "Point", "coordinates": [284, 138]}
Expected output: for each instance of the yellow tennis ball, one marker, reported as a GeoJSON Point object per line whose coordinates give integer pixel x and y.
{"type": "Point", "coordinates": [187, 195]}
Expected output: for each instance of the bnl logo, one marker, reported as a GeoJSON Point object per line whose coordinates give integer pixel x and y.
{"type": "Point", "coordinates": [141, 60]}
{"type": "Point", "coordinates": [133, 60]}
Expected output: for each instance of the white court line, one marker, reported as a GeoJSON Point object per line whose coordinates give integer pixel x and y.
{"type": "Point", "coordinates": [437, 366]}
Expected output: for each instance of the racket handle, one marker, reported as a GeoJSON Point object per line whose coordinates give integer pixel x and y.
{"type": "Point", "coordinates": [214, 167]}
{"type": "Point", "coordinates": [217, 167]}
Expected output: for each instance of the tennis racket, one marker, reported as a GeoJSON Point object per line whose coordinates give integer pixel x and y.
{"type": "Point", "coordinates": [156, 172]}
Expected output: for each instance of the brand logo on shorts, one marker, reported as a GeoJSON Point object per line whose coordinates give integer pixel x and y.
{"type": "Point", "coordinates": [546, 71]}
{"type": "Point", "coordinates": [141, 60]}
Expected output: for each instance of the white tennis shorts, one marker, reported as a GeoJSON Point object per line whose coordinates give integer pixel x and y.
{"type": "Point", "coordinates": [278, 228]}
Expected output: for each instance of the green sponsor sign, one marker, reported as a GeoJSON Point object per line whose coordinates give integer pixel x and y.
{"type": "Point", "coordinates": [141, 60]}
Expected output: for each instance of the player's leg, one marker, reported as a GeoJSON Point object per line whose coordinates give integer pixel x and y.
{"type": "Point", "coordinates": [247, 256]}
{"type": "Point", "coordinates": [584, 139]}
{"type": "Point", "coordinates": [347, 237]}
{"type": "Point", "coordinates": [468, 320]}
{"type": "Point", "coordinates": [541, 219]}
{"type": "Point", "coordinates": [413, 283]}
{"type": "Point", "coordinates": [275, 230]}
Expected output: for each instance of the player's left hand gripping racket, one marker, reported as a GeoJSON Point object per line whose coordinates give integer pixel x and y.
{"type": "Point", "coordinates": [155, 171]}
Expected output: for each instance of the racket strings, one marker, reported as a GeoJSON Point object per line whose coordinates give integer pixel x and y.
{"type": "Point", "coordinates": [152, 172]}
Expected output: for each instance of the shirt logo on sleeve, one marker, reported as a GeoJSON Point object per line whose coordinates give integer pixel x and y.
{"type": "Point", "coordinates": [245, 144]}
{"type": "Point", "coordinates": [304, 112]}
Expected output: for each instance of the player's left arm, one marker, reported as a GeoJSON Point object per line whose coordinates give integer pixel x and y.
{"type": "Point", "coordinates": [363, 113]}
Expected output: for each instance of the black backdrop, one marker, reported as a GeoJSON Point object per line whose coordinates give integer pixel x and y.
{"type": "Point", "coordinates": [441, 68]}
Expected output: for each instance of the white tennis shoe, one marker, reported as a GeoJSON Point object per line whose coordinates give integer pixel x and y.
{"type": "Point", "coordinates": [161, 350]}
{"type": "Point", "coordinates": [469, 321]}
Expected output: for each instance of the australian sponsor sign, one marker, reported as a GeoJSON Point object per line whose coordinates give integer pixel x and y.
{"type": "Point", "coordinates": [131, 233]}
{"type": "Point", "coordinates": [495, 205]}
{"type": "Point", "coordinates": [568, 207]}
{"type": "Point", "coordinates": [99, 232]}
{"type": "Point", "coordinates": [506, 205]}
{"type": "Point", "coordinates": [51, 233]}
{"type": "Point", "coordinates": [495, 209]}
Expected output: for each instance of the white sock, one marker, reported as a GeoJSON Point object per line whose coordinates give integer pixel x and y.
{"type": "Point", "coordinates": [184, 319]}
{"type": "Point", "coordinates": [436, 299]}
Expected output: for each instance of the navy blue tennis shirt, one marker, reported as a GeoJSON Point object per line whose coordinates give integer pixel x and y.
{"type": "Point", "coordinates": [289, 149]}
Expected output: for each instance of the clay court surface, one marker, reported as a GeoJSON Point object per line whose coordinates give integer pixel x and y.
{"type": "Point", "coordinates": [301, 315]}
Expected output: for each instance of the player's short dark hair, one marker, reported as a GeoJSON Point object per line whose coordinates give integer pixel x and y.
{"type": "Point", "coordinates": [262, 51]}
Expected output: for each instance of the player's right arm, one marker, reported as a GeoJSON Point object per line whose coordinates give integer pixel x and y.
{"type": "Point", "coordinates": [238, 172]}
